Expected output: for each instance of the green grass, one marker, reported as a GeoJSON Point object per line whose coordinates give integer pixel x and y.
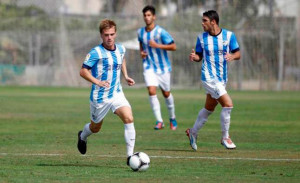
{"type": "Point", "coordinates": [39, 125]}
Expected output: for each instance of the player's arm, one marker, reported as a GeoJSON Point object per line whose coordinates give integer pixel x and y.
{"type": "Point", "coordinates": [86, 74]}
{"type": "Point", "coordinates": [169, 47]}
{"type": "Point", "coordinates": [129, 80]}
{"type": "Point", "coordinates": [195, 57]}
{"type": "Point", "coordinates": [167, 42]}
{"type": "Point", "coordinates": [233, 56]}
{"type": "Point", "coordinates": [235, 53]}
{"type": "Point", "coordinates": [142, 52]}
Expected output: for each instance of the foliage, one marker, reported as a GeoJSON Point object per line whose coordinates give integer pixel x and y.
{"type": "Point", "coordinates": [29, 18]}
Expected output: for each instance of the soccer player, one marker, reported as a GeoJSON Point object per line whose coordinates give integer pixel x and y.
{"type": "Point", "coordinates": [215, 47]}
{"type": "Point", "coordinates": [102, 68]}
{"type": "Point", "coordinates": [154, 44]}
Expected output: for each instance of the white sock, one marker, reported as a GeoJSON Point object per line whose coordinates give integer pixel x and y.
{"type": "Point", "coordinates": [129, 135]}
{"type": "Point", "coordinates": [86, 132]}
{"type": "Point", "coordinates": [200, 121]}
{"type": "Point", "coordinates": [225, 121]}
{"type": "Point", "coordinates": [155, 107]}
{"type": "Point", "coordinates": [171, 106]}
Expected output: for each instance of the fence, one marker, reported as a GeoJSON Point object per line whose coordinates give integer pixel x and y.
{"type": "Point", "coordinates": [44, 42]}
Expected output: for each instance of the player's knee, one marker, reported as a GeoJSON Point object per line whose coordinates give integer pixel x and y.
{"type": "Point", "coordinates": [228, 104]}
{"type": "Point", "coordinates": [128, 119]}
{"type": "Point", "coordinates": [212, 109]}
{"type": "Point", "coordinates": [95, 129]}
{"type": "Point", "coordinates": [152, 91]}
{"type": "Point", "coordinates": [166, 94]}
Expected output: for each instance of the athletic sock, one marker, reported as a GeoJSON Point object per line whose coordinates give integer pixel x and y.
{"type": "Point", "coordinates": [155, 105]}
{"type": "Point", "coordinates": [129, 135]}
{"type": "Point", "coordinates": [171, 106]}
{"type": "Point", "coordinates": [86, 132]}
{"type": "Point", "coordinates": [225, 121]}
{"type": "Point", "coordinates": [200, 121]}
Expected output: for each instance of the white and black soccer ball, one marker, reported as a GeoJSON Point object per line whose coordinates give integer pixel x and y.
{"type": "Point", "coordinates": [139, 161]}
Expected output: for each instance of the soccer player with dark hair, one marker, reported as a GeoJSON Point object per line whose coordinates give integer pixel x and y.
{"type": "Point", "coordinates": [102, 67]}
{"type": "Point", "coordinates": [215, 47]}
{"type": "Point", "coordinates": [154, 44]}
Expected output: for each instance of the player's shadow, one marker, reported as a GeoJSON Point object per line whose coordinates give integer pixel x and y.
{"type": "Point", "coordinates": [73, 165]}
{"type": "Point", "coordinates": [174, 150]}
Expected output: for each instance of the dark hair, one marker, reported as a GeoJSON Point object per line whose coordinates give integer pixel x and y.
{"type": "Point", "coordinates": [107, 24]}
{"type": "Point", "coordinates": [212, 15]}
{"type": "Point", "coordinates": [149, 8]}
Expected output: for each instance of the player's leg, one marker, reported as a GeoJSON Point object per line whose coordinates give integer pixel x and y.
{"type": "Point", "coordinates": [202, 117]}
{"type": "Point", "coordinates": [88, 130]}
{"type": "Point", "coordinates": [210, 105]}
{"type": "Point", "coordinates": [165, 86]}
{"type": "Point", "coordinates": [125, 115]}
{"type": "Point", "coordinates": [155, 105]}
{"type": "Point", "coordinates": [97, 113]}
{"type": "Point", "coordinates": [225, 116]}
{"type": "Point", "coordinates": [169, 99]}
{"type": "Point", "coordinates": [122, 108]}
{"type": "Point", "coordinates": [203, 114]}
{"type": "Point", "coordinates": [152, 83]}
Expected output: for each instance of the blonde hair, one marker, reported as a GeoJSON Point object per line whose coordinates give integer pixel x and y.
{"type": "Point", "coordinates": [107, 24]}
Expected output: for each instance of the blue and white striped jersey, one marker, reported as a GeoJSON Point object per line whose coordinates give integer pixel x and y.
{"type": "Point", "coordinates": [214, 49]}
{"type": "Point", "coordinates": [157, 59]}
{"type": "Point", "coordinates": [105, 65]}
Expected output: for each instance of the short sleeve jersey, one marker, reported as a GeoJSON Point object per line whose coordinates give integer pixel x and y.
{"type": "Point", "coordinates": [157, 59]}
{"type": "Point", "coordinates": [214, 49]}
{"type": "Point", "coordinates": [105, 65]}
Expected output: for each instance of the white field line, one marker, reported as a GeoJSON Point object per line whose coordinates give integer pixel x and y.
{"type": "Point", "coordinates": [162, 157]}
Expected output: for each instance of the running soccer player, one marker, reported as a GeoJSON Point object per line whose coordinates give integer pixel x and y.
{"type": "Point", "coordinates": [154, 44]}
{"type": "Point", "coordinates": [102, 68]}
{"type": "Point", "coordinates": [216, 47]}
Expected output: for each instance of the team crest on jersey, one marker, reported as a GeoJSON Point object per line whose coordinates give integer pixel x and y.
{"type": "Point", "coordinates": [87, 57]}
{"type": "Point", "coordinates": [225, 43]}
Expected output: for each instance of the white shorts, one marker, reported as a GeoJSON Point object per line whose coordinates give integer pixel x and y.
{"type": "Point", "coordinates": [215, 89]}
{"type": "Point", "coordinates": [99, 110]}
{"type": "Point", "coordinates": [161, 80]}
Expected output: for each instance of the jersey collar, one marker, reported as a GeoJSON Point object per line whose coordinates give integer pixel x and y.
{"type": "Point", "coordinates": [109, 49]}
{"type": "Point", "coordinates": [217, 34]}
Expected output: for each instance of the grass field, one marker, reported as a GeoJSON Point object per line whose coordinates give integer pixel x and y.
{"type": "Point", "coordinates": [39, 125]}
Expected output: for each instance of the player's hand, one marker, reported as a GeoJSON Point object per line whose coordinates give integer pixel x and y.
{"type": "Point", "coordinates": [130, 81]}
{"type": "Point", "coordinates": [153, 44]}
{"type": "Point", "coordinates": [103, 84]}
{"type": "Point", "coordinates": [144, 54]}
{"type": "Point", "coordinates": [229, 57]}
{"type": "Point", "coordinates": [193, 56]}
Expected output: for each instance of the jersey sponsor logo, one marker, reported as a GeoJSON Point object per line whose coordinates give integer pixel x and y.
{"type": "Point", "coordinates": [211, 52]}
{"type": "Point", "coordinates": [87, 57]}
{"type": "Point", "coordinates": [114, 67]}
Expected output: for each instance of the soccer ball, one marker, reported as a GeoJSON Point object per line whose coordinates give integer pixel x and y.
{"type": "Point", "coordinates": [139, 161]}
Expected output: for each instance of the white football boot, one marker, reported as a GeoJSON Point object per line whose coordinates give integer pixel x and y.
{"type": "Point", "coordinates": [227, 143]}
{"type": "Point", "coordinates": [192, 138]}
